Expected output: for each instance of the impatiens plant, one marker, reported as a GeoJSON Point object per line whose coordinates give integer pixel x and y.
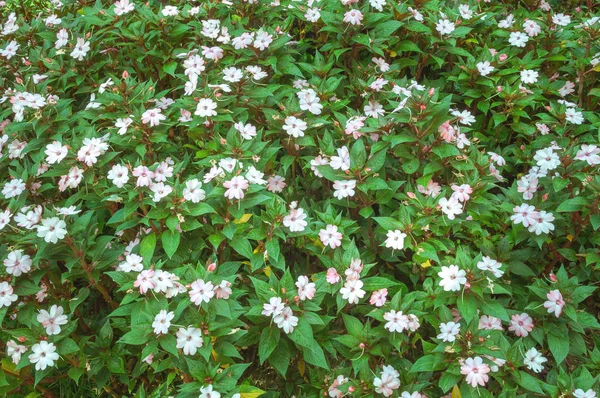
{"type": "Point", "coordinates": [299, 198]}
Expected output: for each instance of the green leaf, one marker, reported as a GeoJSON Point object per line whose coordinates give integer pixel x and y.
{"type": "Point", "coordinates": [147, 247]}
{"type": "Point", "coordinates": [170, 241]}
{"type": "Point", "coordinates": [570, 205]}
{"type": "Point", "coordinates": [169, 68]}
{"type": "Point", "coordinates": [269, 339]}
{"type": "Point", "coordinates": [559, 345]}
{"type": "Point", "coordinates": [428, 363]}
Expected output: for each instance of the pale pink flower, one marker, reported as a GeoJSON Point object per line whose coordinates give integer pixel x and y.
{"type": "Point", "coordinates": [521, 324]}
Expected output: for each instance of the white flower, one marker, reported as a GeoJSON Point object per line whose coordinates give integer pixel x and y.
{"type": "Point", "coordinates": [330, 236]}
{"type": "Point", "coordinates": [7, 296]}
{"type": "Point", "coordinates": [465, 11]}
{"type": "Point", "coordinates": [518, 39]}
{"type": "Point", "coordinates": [561, 19]}
{"type": "Point", "coordinates": [52, 229]}
{"type": "Point", "coordinates": [352, 290]}
{"type": "Point", "coordinates": [450, 207]}
{"type": "Point", "coordinates": [388, 382]}
{"type": "Point", "coordinates": [52, 320]}
{"type": "Point", "coordinates": [208, 392]}
{"type": "Point", "coordinates": [232, 74]}
{"type": "Point", "coordinates": [295, 220]}
{"type": "Point", "coordinates": [531, 28]}
{"type": "Point", "coordinates": [484, 68]}
{"type": "Point", "coordinates": [170, 11]}
{"type": "Point", "coordinates": [255, 176]}
{"type": "Point", "coordinates": [353, 17]}
{"type": "Point", "coordinates": [153, 116]}
{"type": "Point", "coordinates": [44, 355]}
{"type": "Point", "coordinates": [294, 126]}
{"type": "Point", "coordinates": [13, 188]}
{"type": "Point", "coordinates": [448, 331]}
{"type": "Point", "coordinates": [274, 307]}
{"type": "Point", "coordinates": [374, 109]}
{"type": "Point", "coordinates": [276, 184]}
{"type": "Point", "coordinates": [162, 321]}
{"type": "Point", "coordinates": [81, 49]}
{"type": "Point", "coordinates": [542, 223]}
{"type": "Point", "coordinates": [579, 393]}
{"type": "Point", "coordinates": [546, 159]}
{"type": "Point", "coordinates": [452, 278]}
{"type": "Point", "coordinates": [160, 191]}
{"type": "Point", "coordinates": [312, 14]}
{"type": "Point", "coordinates": [123, 7]}
{"type": "Point", "coordinates": [122, 124]}
{"type": "Point", "coordinates": [445, 27]}
{"type": "Point", "coordinates": [489, 264]}
{"type": "Point", "coordinates": [247, 131]}
{"type": "Point", "coordinates": [55, 152]}
{"type": "Point", "coordinates": [589, 154]}
{"type": "Point", "coordinates": [465, 117]}
{"type": "Point", "coordinates": [17, 263]}
{"type": "Point", "coordinates": [132, 262]}
{"type": "Point", "coordinates": [534, 360]}
{"type": "Point", "coordinates": [310, 101]}
{"type": "Point", "coordinates": [189, 340]}
{"type": "Point", "coordinates": [344, 189]}
{"type": "Point", "coordinates": [342, 160]}
{"type": "Point", "coordinates": [397, 322]}
{"type": "Point", "coordinates": [15, 351]}
{"type": "Point", "coordinates": [395, 239]}
{"type": "Point", "coordinates": [193, 191]}
{"type": "Point", "coordinates": [10, 50]}
{"type": "Point", "coordinates": [201, 292]}
{"type": "Point", "coordinates": [119, 175]}
{"type": "Point", "coordinates": [573, 116]}
{"type": "Point", "coordinates": [529, 76]}
{"type": "Point", "coordinates": [286, 320]}
{"type": "Point", "coordinates": [206, 107]}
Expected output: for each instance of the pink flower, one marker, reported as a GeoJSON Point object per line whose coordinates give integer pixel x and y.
{"type": "Point", "coordinates": [462, 192]}
{"type": "Point", "coordinates": [555, 302]}
{"type": "Point", "coordinates": [306, 289]}
{"type": "Point", "coordinates": [476, 371]}
{"type": "Point", "coordinates": [144, 176]}
{"type": "Point", "coordinates": [145, 281]}
{"type": "Point", "coordinates": [447, 132]}
{"type": "Point", "coordinates": [332, 276]}
{"type": "Point", "coordinates": [521, 324]}
{"type": "Point", "coordinates": [379, 297]}
{"type": "Point", "coordinates": [235, 187]}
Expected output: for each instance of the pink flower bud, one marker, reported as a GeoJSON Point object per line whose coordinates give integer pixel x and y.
{"type": "Point", "coordinates": [411, 195]}
{"type": "Point", "coordinates": [351, 389]}
{"type": "Point", "coordinates": [362, 346]}
{"type": "Point", "coordinates": [125, 74]}
{"type": "Point", "coordinates": [467, 285]}
{"type": "Point", "coordinates": [218, 95]}
{"type": "Point", "coordinates": [499, 89]}
{"type": "Point", "coordinates": [431, 91]}
{"type": "Point", "coordinates": [21, 339]}
{"type": "Point", "coordinates": [503, 57]}
{"type": "Point", "coordinates": [223, 141]}
{"type": "Point", "coordinates": [545, 197]}
{"type": "Point", "coordinates": [211, 267]}
{"type": "Point", "coordinates": [552, 277]}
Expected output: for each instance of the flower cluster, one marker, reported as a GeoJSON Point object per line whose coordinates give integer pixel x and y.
{"type": "Point", "coordinates": [307, 198]}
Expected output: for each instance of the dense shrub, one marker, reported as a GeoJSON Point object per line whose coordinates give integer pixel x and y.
{"type": "Point", "coordinates": [309, 198]}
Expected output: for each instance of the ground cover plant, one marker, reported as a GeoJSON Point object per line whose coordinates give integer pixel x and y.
{"type": "Point", "coordinates": [299, 198]}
